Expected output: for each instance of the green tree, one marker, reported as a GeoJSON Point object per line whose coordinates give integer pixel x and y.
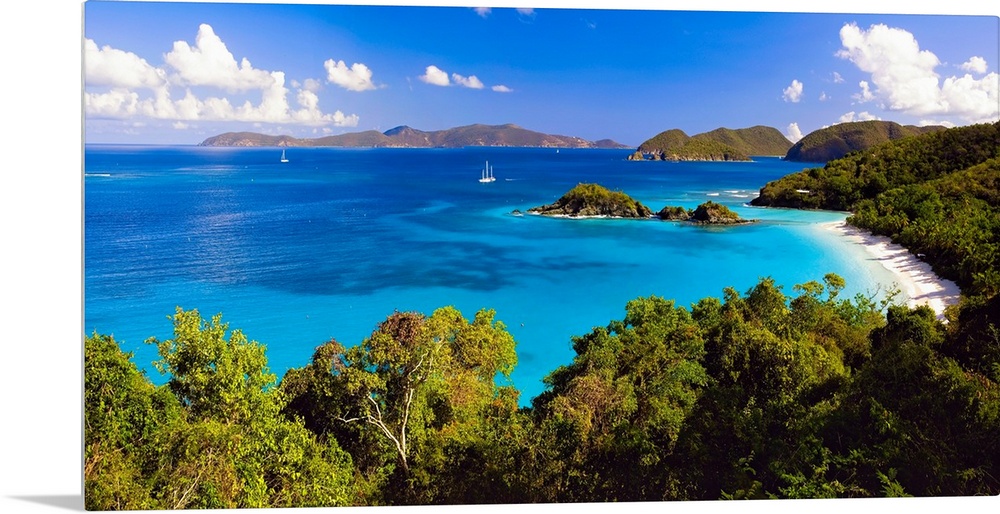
{"type": "Point", "coordinates": [608, 423]}
{"type": "Point", "coordinates": [123, 412]}
{"type": "Point", "coordinates": [415, 401]}
{"type": "Point", "coordinates": [233, 447]}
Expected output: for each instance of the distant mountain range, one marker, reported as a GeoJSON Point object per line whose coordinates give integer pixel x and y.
{"type": "Point", "coordinates": [836, 141]}
{"type": "Point", "coordinates": [408, 137]}
{"type": "Point", "coordinates": [721, 144]}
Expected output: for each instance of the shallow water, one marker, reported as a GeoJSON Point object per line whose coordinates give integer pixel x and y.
{"type": "Point", "coordinates": [328, 244]}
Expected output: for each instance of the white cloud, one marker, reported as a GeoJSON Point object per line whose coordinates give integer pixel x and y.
{"type": "Point", "coordinates": [793, 93]}
{"type": "Point", "coordinates": [525, 11]}
{"type": "Point", "coordinates": [469, 82]}
{"type": "Point", "coordinates": [310, 85]}
{"type": "Point", "coordinates": [905, 80]}
{"type": "Point", "coordinates": [823, 97]}
{"type": "Point", "coordinates": [356, 78]}
{"type": "Point", "coordinates": [117, 103]}
{"type": "Point", "coordinates": [113, 78]}
{"type": "Point", "coordinates": [209, 63]}
{"type": "Point", "coordinates": [837, 79]}
{"type": "Point", "coordinates": [925, 123]}
{"type": "Point", "coordinates": [975, 64]}
{"type": "Point", "coordinates": [853, 116]}
{"type": "Point", "coordinates": [435, 76]}
{"type": "Point", "coordinates": [116, 68]}
{"type": "Point", "coordinates": [482, 11]}
{"type": "Point", "coordinates": [793, 133]}
{"type": "Point", "coordinates": [866, 92]}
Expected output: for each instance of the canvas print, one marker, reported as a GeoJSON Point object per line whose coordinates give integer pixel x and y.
{"type": "Point", "coordinates": [368, 255]}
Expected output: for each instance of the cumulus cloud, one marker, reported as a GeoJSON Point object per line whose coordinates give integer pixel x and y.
{"type": "Point", "coordinates": [823, 97]}
{"type": "Point", "coordinates": [117, 103]}
{"type": "Point", "coordinates": [975, 64]}
{"type": "Point", "coordinates": [210, 63]}
{"type": "Point", "coordinates": [793, 93]}
{"type": "Point", "coordinates": [482, 11]}
{"type": "Point", "coordinates": [905, 80]}
{"type": "Point", "coordinates": [356, 78]}
{"type": "Point", "coordinates": [121, 85]}
{"type": "Point", "coordinates": [793, 133]}
{"type": "Point", "coordinates": [310, 85]}
{"type": "Point", "coordinates": [523, 11]}
{"type": "Point", "coordinates": [837, 79]}
{"type": "Point", "coordinates": [435, 76]}
{"type": "Point", "coordinates": [108, 66]}
{"type": "Point", "coordinates": [853, 116]}
{"type": "Point", "coordinates": [866, 94]}
{"type": "Point", "coordinates": [469, 82]}
{"type": "Point", "coordinates": [925, 123]}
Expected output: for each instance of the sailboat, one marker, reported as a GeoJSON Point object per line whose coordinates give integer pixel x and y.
{"type": "Point", "coordinates": [487, 174]}
{"type": "Point", "coordinates": [283, 158]}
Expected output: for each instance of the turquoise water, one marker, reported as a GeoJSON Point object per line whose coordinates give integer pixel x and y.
{"type": "Point", "coordinates": [326, 245]}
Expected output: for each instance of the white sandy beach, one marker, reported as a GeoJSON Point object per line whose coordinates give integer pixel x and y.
{"type": "Point", "coordinates": [914, 277]}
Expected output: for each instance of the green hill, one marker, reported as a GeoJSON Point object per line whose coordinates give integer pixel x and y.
{"type": "Point", "coordinates": [935, 193]}
{"type": "Point", "coordinates": [757, 140]}
{"type": "Point", "coordinates": [721, 144]}
{"type": "Point", "coordinates": [836, 141]}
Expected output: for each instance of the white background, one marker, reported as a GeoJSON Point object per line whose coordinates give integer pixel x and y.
{"type": "Point", "coordinates": [41, 250]}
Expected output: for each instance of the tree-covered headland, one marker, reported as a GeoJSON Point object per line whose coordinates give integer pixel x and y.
{"type": "Point", "coordinates": [760, 393]}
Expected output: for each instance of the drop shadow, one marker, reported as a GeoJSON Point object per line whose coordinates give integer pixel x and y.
{"type": "Point", "coordinates": [72, 502]}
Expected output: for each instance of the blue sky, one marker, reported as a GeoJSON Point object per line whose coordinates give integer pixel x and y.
{"type": "Point", "coordinates": [179, 72]}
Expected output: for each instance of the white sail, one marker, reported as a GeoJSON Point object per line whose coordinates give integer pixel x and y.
{"type": "Point", "coordinates": [487, 174]}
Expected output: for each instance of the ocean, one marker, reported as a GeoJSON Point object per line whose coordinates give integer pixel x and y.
{"type": "Point", "coordinates": [330, 243]}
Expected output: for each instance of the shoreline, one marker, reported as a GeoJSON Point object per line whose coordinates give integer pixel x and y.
{"type": "Point", "coordinates": [914, 277]}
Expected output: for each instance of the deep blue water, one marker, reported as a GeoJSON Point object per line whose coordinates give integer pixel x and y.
{"type": "Point", "coordinates": [328, 244]}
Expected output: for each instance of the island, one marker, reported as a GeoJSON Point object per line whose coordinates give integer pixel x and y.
{"type": "Point", "coordinates": [708, 213]}
{"type": "Point", "coordinates": [670, 213]}
{"type": "Point", "coordinates": [721, 144]}
{"type": "Point", "coordinates": [594, 201]}
{"type": "Point", "coordinates": [407, 137]}
{"type": "Point", "coordinates": [711, 213]}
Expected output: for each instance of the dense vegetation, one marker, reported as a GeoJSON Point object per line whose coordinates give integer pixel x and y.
{"type": "Point", "coordinates": [756, 140]}
{"type": "Point", "coordinates": [752, 395]}
{"type": "Point", "coordinates": [674, 213]}
{"type": "Point", "coordinates": [716, 214]}
{"type": "Point", "coordinates": [756, 394]}
{"type": "Point", "coordinates": [834, 142]}
{"type": "Point", "coordinates": [936, 194]}
{"type": "Point", "coordinates": [594, 200]}
{"type": "Point", "coordinates": [707, 213]}
{"type": "Point", "coordinates": [721, 144]}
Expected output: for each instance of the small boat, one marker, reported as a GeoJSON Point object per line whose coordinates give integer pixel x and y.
{"type": "Point", "coordinates": [283, 158]}
{"type": "Point", "coordinates": [487, 174]}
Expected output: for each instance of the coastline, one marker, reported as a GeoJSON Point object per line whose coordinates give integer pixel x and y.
{"type": "Point", "coordinates": [915, 278]}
